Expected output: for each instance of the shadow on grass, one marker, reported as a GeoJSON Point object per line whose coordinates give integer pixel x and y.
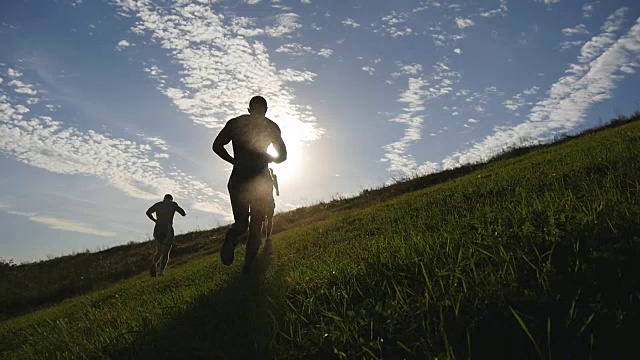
{"type": "Point", "coordinates": [231, 323]}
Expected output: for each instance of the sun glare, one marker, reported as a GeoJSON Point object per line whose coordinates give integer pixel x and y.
{"type": "Point", "coordinates": [288, 170]}
{"type": "Point", "coordinates": [271, 150]}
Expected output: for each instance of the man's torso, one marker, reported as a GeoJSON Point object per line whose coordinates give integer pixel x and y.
{"type": "Point", "coordinates": [165, 211]}
{"type": "Point", "coordinates": [250, 137]}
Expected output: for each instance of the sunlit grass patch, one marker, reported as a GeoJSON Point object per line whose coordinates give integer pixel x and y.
{"type": "Point", "coordinates": [533, 256]}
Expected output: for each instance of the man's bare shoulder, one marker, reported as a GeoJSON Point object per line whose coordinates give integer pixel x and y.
{"type": "Point", "coordinates": [238, 118]}
{"type": "Point", "coordinates": [236, 121]}
{"type": "Point", "coordinates": [273, 124]}
{"type": "Point", "coordinates": [155, 206]}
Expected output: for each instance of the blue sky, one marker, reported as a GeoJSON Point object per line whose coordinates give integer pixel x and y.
{"type": "Point", "coordinates": [107, 105]}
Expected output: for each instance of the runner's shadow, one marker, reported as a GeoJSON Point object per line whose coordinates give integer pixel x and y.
{"type": "Point", "coordinates": [233, 322]}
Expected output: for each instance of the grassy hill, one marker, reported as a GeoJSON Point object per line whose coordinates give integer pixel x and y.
{"type": "Point", "coordinates": [534, 254]}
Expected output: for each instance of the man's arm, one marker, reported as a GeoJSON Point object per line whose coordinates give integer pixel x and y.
{"type": "Point", "coordinates": [223, 138]}
{"type": "Point", "coordinates": [150, 212]}
{"type": "Point", "coordinates": [180, 210]}
{"type": "Point", "coordinates": [280, 147]}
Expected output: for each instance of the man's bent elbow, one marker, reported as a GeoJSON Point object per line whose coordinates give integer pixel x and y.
{"type": "Point", "coordinates": [218, 149]}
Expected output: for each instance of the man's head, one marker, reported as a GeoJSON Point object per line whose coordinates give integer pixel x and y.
{"type": "Point", "coordinates": [258, 106]}
{"type": "Point", "coordinates": [168, 197]}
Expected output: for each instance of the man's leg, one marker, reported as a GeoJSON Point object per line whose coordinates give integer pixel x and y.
{"type": "Point", "coordinates": [165, 257]}
{"type": "Point", "coordinates": [253, 243]}
{"type": "Point", "coordinates": [261, 200]}
{"type": "Point", "coordinates": [240, 208]}
{"type": "Point", "coordinates": [153, 269]}
{"type": "Point", "coordinates": [159, 233]}
{"type": "Point", "coordinates": [166, 249]}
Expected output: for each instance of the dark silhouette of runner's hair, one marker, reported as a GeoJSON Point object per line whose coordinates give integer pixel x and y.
{"type": "Point", "coordinates": [250, 183]}
{"type": "Point", "coordinates": [163, 234]}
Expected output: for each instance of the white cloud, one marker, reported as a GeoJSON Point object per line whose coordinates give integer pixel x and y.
{"type": "Point", "coordinates": [473, 120]}
{"type": "Point", "coordinates": [251, 2]}
{"type": "Point", "coordinates": [285, 24]}
{"type": "Point", "coordinates": [427, 168]}
{"type": "Point", "coordinates": [21, 87]}
{"type": "Point", "coordinates": [587, 10]}
{"type": "Point", "coordinates": [614, 21]}
{"type": "Point", "coordinates": [294, 49]}
{"type": "Point", "coordinates": [591, 80]}
{"type": "Point", "coordinates": [457, 51]}
{"type": "Point", "coordinates": [21, 109]}
{"type": "Point", "coordinates": [219, 70]}
{"type": "Point", "coordinates": [548, 2]}
{"type": "Point", "coordinates": [479, 108]}
{"type": "Point", "coordinates": [480, 97]}
{"type": "Point", "coordinates": [369, 70]}
{"type": "Point", "coordinates": [129, 166]}
{"type": "Point", "coordinates": [464, 23]}
{"type": "Point", "coordinates": [213, 209]}
{"type": "Point", "coordinates": [520, 100]}
{"type": "Point", "coordinates": [578, 30]}
{"type": "Point", "coordinates": [566, 45]}
{"type": "Point", "coordinates": [245, 26]}
{"type": "Point", "coordinates": [325, 52]}
{"type": "Point", "coordinates": [390, 24]}
{"type": "Point", "coordinates": [414, 98]}
{"type": "Point", "coordinates": [419, 91]}
{"type": "Point", "coordinates": [157, 74]}
{"type": "Point", "coordinates": [158, 142]}
{"type": "Point", "coordinates": [65, 224]}
{"type": "Point", "coordinates": [305, 1]}
{"type": "Point", "coordinates": [395, 18]}
{"type": "Point", "coordinates": [413, 69]}
{"type": "Point", "coordinates": [502, 10]}
{"type": "Point", "coordinates": [122, 44]}
{"type": "Point", "coordinates": [291, 75]}
{"type": "Point", "coordinates": [13, 73]}
{"type": "Point", "coordinates": [594, 47]}
{"type": "Point", "coordinates": [395, 32]}
{"type": "Point", "coordinates": [350, 22]}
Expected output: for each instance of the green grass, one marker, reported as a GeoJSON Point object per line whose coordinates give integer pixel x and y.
{"type": "Point", "coordinates": [533, 256]}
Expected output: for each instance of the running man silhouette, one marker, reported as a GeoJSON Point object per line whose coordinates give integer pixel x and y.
{"type": "Point", "coordinates": [271, 209]}
{"type": "Point", "coordinates": [163, 231]}
{"type": "Point", "coordinates": [250, 186]}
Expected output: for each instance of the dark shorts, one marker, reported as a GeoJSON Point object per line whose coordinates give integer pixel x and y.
{"type": "Point", "coordinates": [251, 194]}
{"type": "Point", "coordinates": [163, 233]}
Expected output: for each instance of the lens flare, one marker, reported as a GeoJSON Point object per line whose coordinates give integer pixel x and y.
{"type": "Point", "coordinates": [271, 150]}
{"type": "Point", "coordinates": [287, 171]}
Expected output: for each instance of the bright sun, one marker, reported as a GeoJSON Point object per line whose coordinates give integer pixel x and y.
{"type": "Point", "coordinates": [289, 169]}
